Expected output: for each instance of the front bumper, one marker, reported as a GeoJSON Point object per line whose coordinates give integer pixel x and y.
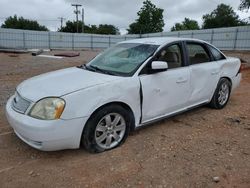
{"type": "Point", "coordinates": [46, 135]}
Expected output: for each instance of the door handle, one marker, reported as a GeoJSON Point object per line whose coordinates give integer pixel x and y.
{"type": "Point", "coordinates": [181, 80]}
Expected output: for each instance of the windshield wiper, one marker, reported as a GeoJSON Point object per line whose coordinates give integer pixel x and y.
{"type": "Point", "coordinates": [95, 69]}
{"type": "Point", "coordinates": [101, 70]}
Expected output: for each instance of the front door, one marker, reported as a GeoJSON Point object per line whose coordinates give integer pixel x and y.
{"type": "Point", "coordinates": [166, 92]}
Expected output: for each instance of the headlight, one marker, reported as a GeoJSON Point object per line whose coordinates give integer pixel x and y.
{"type": "Point", "coordinates": [48, 109]}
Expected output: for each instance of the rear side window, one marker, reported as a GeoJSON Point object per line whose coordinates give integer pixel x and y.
{"type": "Point", "coordinates": [216, 54]}
{"type": "Point", "coordinates": [197, 54]}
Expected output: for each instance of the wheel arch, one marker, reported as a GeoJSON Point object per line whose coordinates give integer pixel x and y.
{"type": "Point", "coordinates": [225, 77]}
{"type": "Point", "coordinates": [122, 104]}
{"type": "Point", "coordinates": [214, 101]}
{"type": "Point", "coordinates": [125, 106]}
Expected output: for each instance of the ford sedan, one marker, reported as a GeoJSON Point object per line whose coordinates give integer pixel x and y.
{"type": "Point", "coordinates": [129, 85]}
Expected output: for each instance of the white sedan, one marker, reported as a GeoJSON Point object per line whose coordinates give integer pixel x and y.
{"type": "Point", "coordinates": [132, 84]}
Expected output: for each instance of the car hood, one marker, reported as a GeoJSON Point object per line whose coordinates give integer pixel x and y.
{"type": "Point", "coordinates": [61, 82]}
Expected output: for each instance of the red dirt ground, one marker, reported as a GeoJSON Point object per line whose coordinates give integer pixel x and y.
{"type": "Point", "coordinates": [184, 151]}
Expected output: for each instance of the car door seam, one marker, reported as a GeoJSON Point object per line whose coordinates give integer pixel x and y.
{"type": "Point", "coordinates": [141, 100]}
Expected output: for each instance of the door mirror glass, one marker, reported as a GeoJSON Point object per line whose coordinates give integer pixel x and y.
{"type": "Point", "coordinates": [159, 65]}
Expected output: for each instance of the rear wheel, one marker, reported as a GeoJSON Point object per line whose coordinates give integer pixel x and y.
{"type": "Point", "coordinates": [106, 129]}
{"type": "Point", "coordinates": [221, 94]}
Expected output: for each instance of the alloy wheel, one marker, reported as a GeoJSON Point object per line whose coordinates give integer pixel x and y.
{"type": "Point", "coordinates": [110, 130]}
{"type": "Point", "coordinates": [223, 94]}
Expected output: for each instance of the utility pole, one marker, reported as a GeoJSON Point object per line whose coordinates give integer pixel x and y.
{"type": "Point", "coordinates": [76, 12]}
{"type": "Point", "coordinates": [83, 20]}
{"type": "Point", "coordinates": [61, 20]}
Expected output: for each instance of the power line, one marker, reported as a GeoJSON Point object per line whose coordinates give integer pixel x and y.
{"type": "Point", "coordinates": [67, 11]}
{"type": "Point", "coordinates": [46, 20]}
{"type": "Point", "coordinates": [68, 15]}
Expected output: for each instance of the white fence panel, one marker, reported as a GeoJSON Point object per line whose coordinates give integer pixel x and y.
{"type": "Point", "coordinates": [234, 38]}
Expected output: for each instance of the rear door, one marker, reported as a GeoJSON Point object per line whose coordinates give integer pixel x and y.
{"type": "Point", "coordinates": [204, 72]}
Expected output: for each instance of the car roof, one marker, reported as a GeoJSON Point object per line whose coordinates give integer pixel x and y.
{"type": "Point", "coordinates": [160, 40]}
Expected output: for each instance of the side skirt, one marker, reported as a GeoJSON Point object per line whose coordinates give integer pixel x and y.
{"type": "Point", "coordinates": [169, 115]}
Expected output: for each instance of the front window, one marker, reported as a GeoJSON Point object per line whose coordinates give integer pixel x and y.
{"type": "Point", "coordinates": [123, 59]}
{"type": "Point", "coordinates": [171, 55]}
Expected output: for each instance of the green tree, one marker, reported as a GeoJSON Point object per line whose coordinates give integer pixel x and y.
{"type": "Point", "coordinates": [101, 29]}
{"type": "Point", "coordinates": [187, 24]}
{"type": "Point", "coordinates": [150, 20]}
{"type": "Point", "coordinates": [21, 23]}
{"type": "Point", "coordinates": [91, 29]}
{"type": "Point", "coordinates": [244, 5]}
{"type": "Point", "coordinates": [107, 29]}
{"type": "Point", "coordinates": [70, 27]}
{"type": "Point", "coordinates": [134, 28]}
{"type": "Point", "coordinates": [222, 16]}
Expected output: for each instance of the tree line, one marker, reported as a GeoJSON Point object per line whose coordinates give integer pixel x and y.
{"type": "Point", "coordinates": [150, 20]}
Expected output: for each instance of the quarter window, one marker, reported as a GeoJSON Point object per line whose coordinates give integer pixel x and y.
{"type": "Point", "coordinates": [171, 55]}
{"type": "Point", "coordinates": [217, 55]}
{"type": "Point", "coordinates": [197, 54]}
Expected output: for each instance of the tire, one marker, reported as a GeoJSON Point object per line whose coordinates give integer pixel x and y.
{"type": "Point", "coordinates": [106, 129]}
{"type": "Point", "coordinates": [221, 94]}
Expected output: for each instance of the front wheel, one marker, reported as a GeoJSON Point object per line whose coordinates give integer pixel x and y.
{"type": "Point", "coordinates": [106, 129]}
{"type": "Point", "coordinates": [221, 94]}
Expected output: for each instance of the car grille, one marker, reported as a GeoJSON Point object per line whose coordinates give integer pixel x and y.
{"type": "Point", "coordinates": [20, 104]}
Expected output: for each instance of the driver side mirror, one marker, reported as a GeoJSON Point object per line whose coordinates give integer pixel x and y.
{"type": "Point", "coordinates": [159, 66]}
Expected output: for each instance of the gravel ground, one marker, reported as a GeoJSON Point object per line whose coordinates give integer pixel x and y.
{"type": "Point", "coordinates": [200, 148]}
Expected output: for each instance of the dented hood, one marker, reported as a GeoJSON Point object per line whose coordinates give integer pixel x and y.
{"type": "Point", "coordinates": [61, 82]}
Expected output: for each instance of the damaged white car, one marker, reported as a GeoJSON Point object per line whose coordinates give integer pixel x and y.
{"type": "Point", "coordinates": [129, 85]}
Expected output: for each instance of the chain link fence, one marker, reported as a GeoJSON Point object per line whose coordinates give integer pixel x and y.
{"type": "Point", "coordinates": [233, 38]}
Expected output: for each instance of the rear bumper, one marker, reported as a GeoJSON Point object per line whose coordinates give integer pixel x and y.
{"type": "Point", "coordinates": [46, 135]}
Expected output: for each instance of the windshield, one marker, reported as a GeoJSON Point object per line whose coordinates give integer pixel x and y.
{"type": "Point", "coordinates": [122, 59]}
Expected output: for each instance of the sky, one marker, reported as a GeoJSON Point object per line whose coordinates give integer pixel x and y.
{"type": "Point", "coordinates": [117, 12]}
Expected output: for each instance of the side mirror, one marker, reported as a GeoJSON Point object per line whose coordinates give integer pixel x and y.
{"type": "Point", "coordinates": [159, 66]}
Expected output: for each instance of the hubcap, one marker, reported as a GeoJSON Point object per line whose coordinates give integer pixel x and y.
{"type": "Point", "coordinates": [110, 130]}
{"type": "Point", "coordinates": [223, 94]}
